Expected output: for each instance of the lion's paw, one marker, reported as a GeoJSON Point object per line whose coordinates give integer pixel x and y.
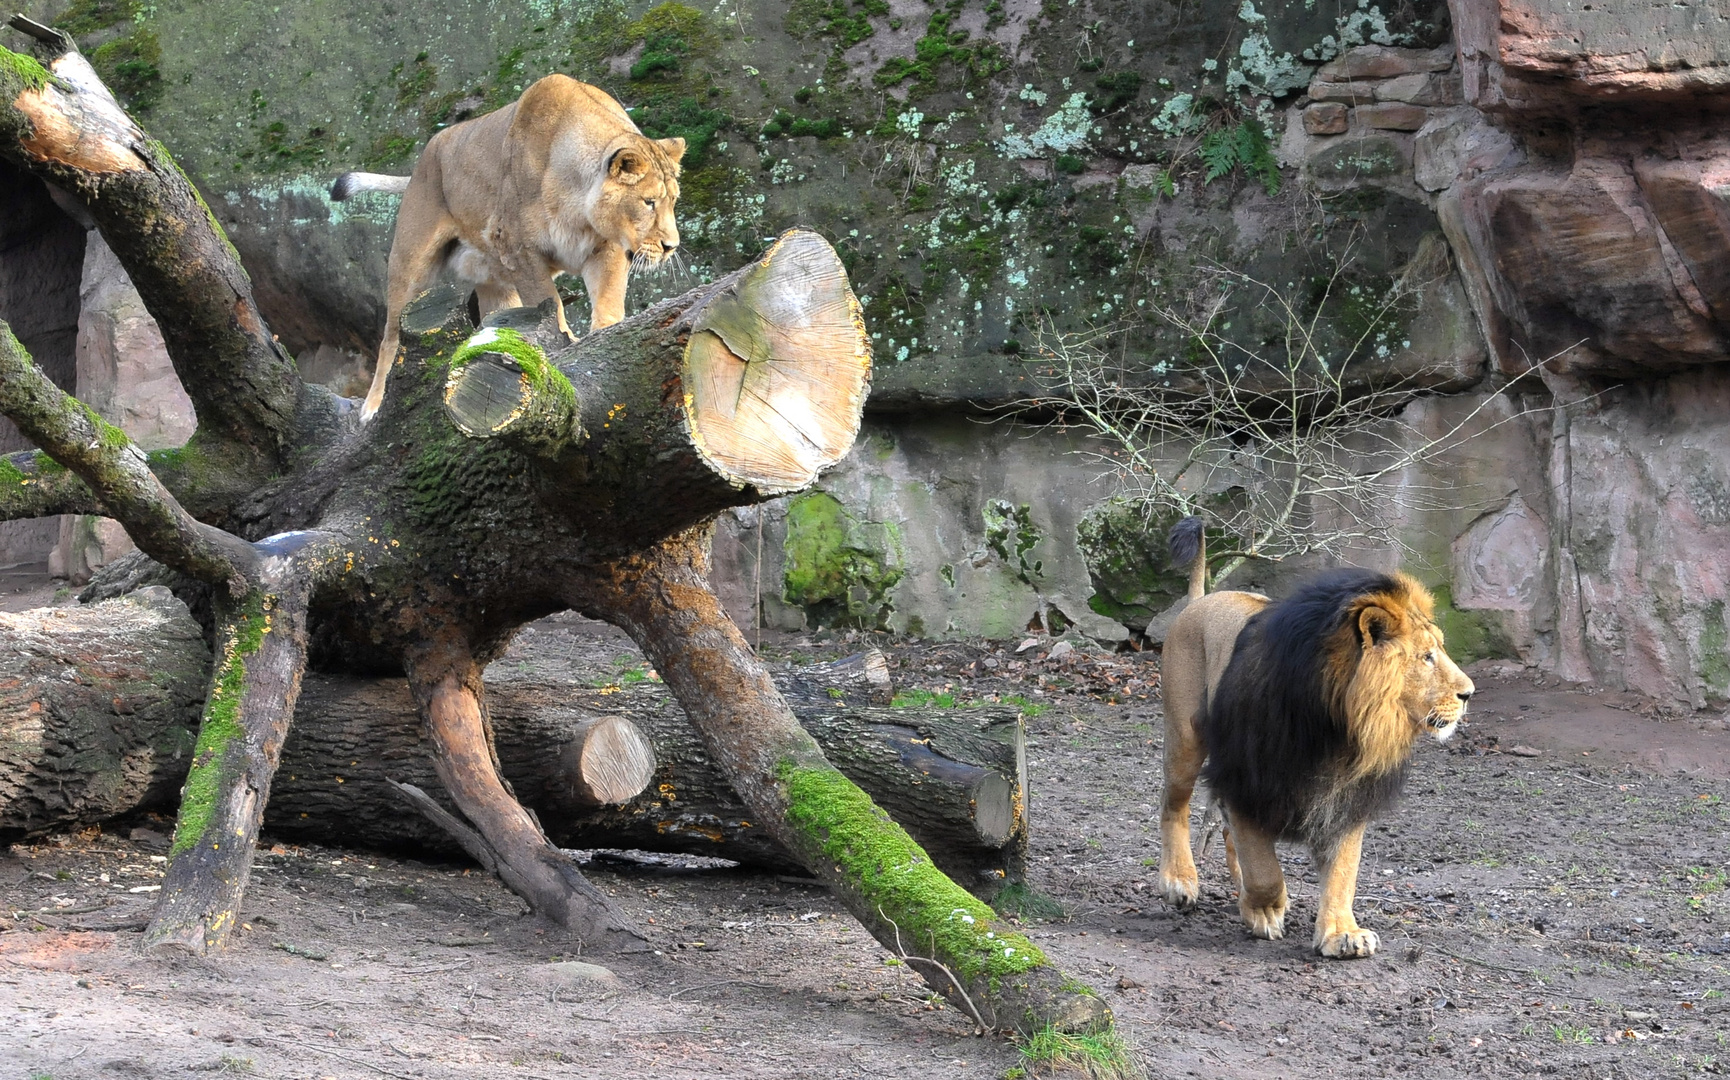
{"type": "Point", "coordinates": [1179, 890]}
{"type": "Point", "coordinates": [1265, 922]}
{"type": "Point", "coordinates": [1348, 945]}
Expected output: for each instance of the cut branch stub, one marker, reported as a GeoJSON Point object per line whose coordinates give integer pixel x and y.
{"type": "Point", "coordinates": [607, 762]}
{"type": "Point", "coordinates": [777, 368]}
{"type": "Point", "coordinates": [501, 386]}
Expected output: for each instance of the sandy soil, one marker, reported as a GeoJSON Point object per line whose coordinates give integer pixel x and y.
{"type": "Point", "coordinates": [1550, 897]}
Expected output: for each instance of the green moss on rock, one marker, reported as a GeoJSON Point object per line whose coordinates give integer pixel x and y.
{"type": "Point", "coordinates": [1470, 635]}
{"type": "Point", "coordinates": [1129, 562]}
{"type": "Point", "coordinates": [837, 568]}
{"type": "Point", "coordinates": [130, 67]}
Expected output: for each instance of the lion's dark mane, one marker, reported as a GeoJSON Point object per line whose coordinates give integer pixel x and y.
{"type": "Point", "coordinates": [1276, 751]}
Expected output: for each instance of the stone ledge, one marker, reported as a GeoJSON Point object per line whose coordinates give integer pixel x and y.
{"type": "Point", "coordinates": [1385, 62]}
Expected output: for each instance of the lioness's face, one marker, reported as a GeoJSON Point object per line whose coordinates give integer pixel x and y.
{"type": "Point", "coordinates": [1435, 690]}
{"type": "Point", "coordinates": [635, 210]}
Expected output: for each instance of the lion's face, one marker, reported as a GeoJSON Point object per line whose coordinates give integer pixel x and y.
{"type": "Point", "coordinates": [1435, 689]}
{"type": "Point", "coordinates": [1398, 681]}
{"type": "Point", "coordinates": [635, 209]}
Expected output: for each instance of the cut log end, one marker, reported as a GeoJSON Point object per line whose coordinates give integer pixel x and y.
{"type": "Point", "coordinates": [500, 385]}
{"type": "Point", "coordinates": [484, 396]}
{"type": "Point", "coordinates": [609, 762]}
{"type": "Point", "coordinates": [777, 369]}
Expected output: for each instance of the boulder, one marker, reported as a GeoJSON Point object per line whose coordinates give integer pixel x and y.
{"type": "Point", "coordinates": [125, 375]}
{"type": "Point", "coordinates": [1391, 116]}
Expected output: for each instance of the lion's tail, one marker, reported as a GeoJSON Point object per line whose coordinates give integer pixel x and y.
{"type": "Point", "coordinates": [1189, 548]}
{"type": "Point", "coordinates": [353, 183]}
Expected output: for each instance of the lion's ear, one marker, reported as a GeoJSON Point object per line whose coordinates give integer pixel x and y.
{"type": "Point", "coordinates": [627, 165]}
{"type": "Point", "coordinates": [675, 148]}
{"type": "Point", "coordinates": [1377, 626]}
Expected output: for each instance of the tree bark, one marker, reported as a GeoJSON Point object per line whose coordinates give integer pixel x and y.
{"type": "Point", "coordinates": [660, 596]}
{"type": "Point", "coordinates": [952, 776]}
{"type": "Point", "coordinates": [99, 709]}
{"type": "Point", "coordinates": [260, 656]}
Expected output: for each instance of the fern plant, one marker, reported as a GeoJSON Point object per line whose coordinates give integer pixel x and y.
{"type": "Point", "coordinates": [1243, 144]}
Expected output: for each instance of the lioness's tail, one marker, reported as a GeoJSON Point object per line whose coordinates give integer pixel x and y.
{"type": "Point", "coordinates": [352, 183]}
{"type": "Point", "coordinates": [1189, 548]}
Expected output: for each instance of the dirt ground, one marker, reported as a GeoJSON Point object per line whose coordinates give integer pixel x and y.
{"type": "Point", "coordinates": [1550, 898]}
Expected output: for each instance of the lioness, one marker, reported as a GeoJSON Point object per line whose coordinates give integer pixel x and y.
{"type": "Point", "coordinates": [558, 180]}
{"type": "Point", "coordinates": [1305, 712]}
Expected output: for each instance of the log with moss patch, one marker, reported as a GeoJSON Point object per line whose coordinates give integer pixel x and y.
{"type": "Point", "coordinates": [418, 542]}
{"type": "Point", "coordinates": [609, 764]}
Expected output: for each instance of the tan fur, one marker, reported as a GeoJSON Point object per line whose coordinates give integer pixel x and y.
{"type": "Point", "coordinates": [1386, 672]}
{"type": "Point", "coordinates": [560, 180]}
{"type": "Point", "coordinates": [1196, 652]}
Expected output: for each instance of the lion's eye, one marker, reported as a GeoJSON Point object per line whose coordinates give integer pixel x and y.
{"type": "Point", "coordinates": [650, 203]}
{"type": "Point", "coordinates": [1429, 658]}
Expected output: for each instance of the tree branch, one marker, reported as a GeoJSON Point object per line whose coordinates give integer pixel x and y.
{"type": "Point", "coordinates": [62, 125]}
{"type": "Point", "coordinates": [33, 485]}
{"type": "Point", "coordinates": [662, 599]}
{"type": "Point", "coordinates": [115, 469]}
{"type": "Point", "coordinates": [261, 645]}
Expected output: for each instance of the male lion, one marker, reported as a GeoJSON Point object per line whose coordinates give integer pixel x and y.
{"type": "Point", "coordinates": [1305, 712]}
{"type": "Point", "coordinates": [558, 180]}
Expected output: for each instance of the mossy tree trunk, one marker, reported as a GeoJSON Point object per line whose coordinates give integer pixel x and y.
{"type": "Point", "coordinates": [429, 535]}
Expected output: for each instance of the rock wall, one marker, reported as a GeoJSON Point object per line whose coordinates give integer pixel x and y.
{"type": "Point", "coordinates": [41, 250]}
{"type": "Point", "coordinates": [1513, 182]}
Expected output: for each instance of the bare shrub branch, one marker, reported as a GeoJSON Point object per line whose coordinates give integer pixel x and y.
{"type": "Point", "coordinates": [1295, 445]}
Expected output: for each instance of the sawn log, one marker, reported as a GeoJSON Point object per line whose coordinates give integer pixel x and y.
{"type": "Point", "coordinates": [103, 702]}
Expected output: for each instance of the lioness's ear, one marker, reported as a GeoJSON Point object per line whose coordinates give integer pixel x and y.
{"type": "Point", "coordinates": [627, 165]}
{"type": "Point", "coordinates": [675, 148]}
{"type": "Point", "coordinates": [1376, 625]}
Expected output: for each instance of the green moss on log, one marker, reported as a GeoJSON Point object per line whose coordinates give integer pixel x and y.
{"type": "Point", "coordinates": [221, 725]}
{"type": "Point", "coordinates": [546, 382]}
{"type": "Point", "coordinates": [46, 465]}
{"type": "Point", "coordinates": [543, 376]}
{"type": "Point", "coordinates": [19, 73]}
{"type": "Point", "coordinates": [934, 916]}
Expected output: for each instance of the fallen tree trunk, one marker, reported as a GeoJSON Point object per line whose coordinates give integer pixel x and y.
{"type": "Point", "coordinates": [950, 777]}
{"type": "Point", "coordinates": [99, 710]}
{"type": "Point", "coordinates": [130, 674]}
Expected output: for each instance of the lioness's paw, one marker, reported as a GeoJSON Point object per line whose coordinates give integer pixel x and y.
{"type": "Point", "coordinates": [1180, 891]}
{"type": "Point", "coordinates": [1265, 922]}
{"type": "Point", "coordinates": [1348, 945]}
